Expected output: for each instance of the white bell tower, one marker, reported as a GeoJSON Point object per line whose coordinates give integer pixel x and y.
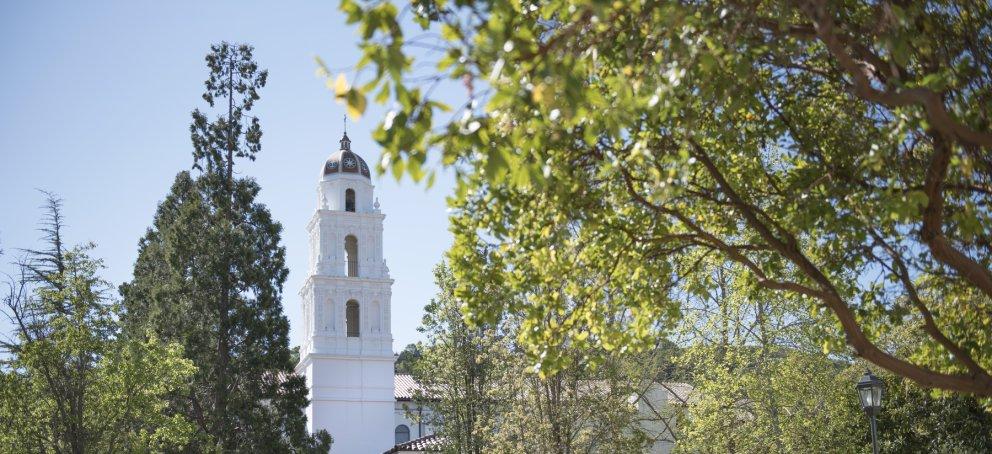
{"type": "Point", "coordinates": [347, 355]}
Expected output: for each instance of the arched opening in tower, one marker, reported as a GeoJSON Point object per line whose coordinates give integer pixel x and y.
{"type": "Point", "coordinates": [351, 316]}
{"type": "Point", "coordinates": [351, 255]}
{"type": "Point", "coordinates": [349, 200]}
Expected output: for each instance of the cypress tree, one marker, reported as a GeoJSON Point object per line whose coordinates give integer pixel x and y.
{"type": "Point", "coordinates": [210, 273]}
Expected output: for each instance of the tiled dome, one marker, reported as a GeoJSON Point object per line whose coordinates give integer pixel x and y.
{"type": "Point", "coordinates": [346, 161]}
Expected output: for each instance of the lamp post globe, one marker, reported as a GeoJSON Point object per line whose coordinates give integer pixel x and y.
{"type": "Point", "coordinates": [870, 390]}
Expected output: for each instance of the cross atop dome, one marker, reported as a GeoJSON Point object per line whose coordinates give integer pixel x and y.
{"type": "Point", "coordinates": [345, 160]}
{"type": "Point", "coordinates": [345, 141]}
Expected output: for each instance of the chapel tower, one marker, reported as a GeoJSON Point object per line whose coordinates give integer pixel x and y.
{"type": "Point", "coordinates": [347, 353]}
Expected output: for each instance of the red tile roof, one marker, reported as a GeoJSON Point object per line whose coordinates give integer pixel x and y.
{"type": "Point", "coordinates": [430, 443]}
{"type": "Point", "coordinates": [404, 386]}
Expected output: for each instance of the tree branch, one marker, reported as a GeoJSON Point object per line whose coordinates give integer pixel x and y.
{"type": "Point", "coordinates": [929, 325]}
{"type": "Point", "coordinates": [932, 232]}
{"type": "Point", "coordinates": [981, 385]}
{"type": "Point", "coordinates": [932, 102]}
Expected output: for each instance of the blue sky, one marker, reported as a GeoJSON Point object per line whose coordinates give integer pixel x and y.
{"type": "Point", "coordinates": [95, 101]}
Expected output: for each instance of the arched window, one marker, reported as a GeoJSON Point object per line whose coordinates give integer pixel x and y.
{"type": "Point", "coordinates": [351, 255]}
{"type": "Point", "coordinates": [349, 200]}
{"type": "Point", "coordinates": [351, 317]}
{"type": "Point", "coordinates": [402, 434]}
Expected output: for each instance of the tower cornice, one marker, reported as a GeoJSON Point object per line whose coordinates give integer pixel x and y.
{"type": "Point", "coordinates": [344, 215]}
{"type": "Point", "coordinates": [353, 281]}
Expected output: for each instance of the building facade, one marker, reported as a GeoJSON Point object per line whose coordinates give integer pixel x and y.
{"type": "Point", "coordinates": [413, 418]}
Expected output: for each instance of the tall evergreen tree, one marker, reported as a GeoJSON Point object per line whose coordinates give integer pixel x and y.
{"type": "Point", "coordinates": [210, 274]}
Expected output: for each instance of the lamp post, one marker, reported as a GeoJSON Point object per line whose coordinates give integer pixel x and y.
{"type": "Point", "coordinates": [870, 390]}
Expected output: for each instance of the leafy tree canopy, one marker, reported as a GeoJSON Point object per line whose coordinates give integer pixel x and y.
{"type": "Point", "coordinates": [484, 396]}
{"type": "Point", "coordinates": [70, 380]}
{"type": "Point", "coordinates": [838, 151]}
{"type": "Point", "coordinates": [462, 373]}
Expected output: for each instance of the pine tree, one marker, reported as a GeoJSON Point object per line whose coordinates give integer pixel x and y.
{"type": "Point", "coordinates": [210, 273]}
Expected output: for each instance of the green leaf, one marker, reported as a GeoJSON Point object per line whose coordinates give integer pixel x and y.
{"type": "Point", "coordinates": [356, 104]}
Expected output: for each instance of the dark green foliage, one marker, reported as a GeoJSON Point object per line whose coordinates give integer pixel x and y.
{"type": "Point", "coordinates": [407, 358]}
{"type": "Point", "coordinates": [210, 274]}
{"type": "Point", "coordinates": [184, 263]}
{"type": "Point", "coordinates": [914, 420]}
